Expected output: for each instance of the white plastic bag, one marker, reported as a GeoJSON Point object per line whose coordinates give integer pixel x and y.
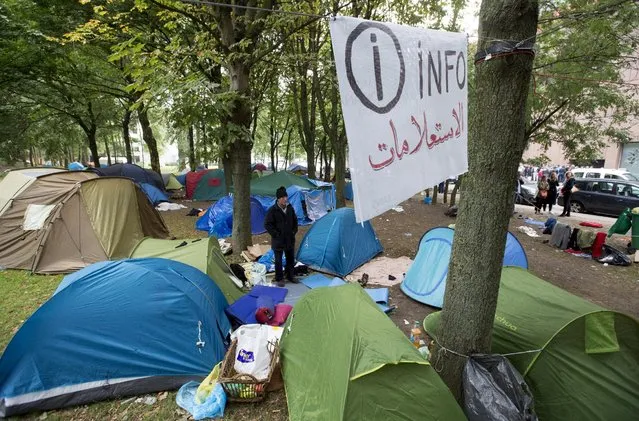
{"type": "Point", "coordinates": [252, 354]}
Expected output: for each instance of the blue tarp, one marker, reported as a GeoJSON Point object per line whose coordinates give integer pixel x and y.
{"type": "Point", "coordinates": [243, 310]}
{"type": "Point", "coordinates": [218, 219]}
{"type": "Point", "coordinates": [139, 174]}
{"type": "Point", "coordinates": [118, 328]}
{"type": "Point", "coordinates": [155, 195]}
{"type": "Point", "coordinates": [76, 166]}
{"type": "Point", "coordinates": [181, 178]}
{"type": "Point", "coordinates": [268, 260]}
{"type": "Point", "coordinates": [348, 191]}
{"type": "Point", "coordinates": [336, 244]}
{"type": "Point", "coordinates": [425, 280]}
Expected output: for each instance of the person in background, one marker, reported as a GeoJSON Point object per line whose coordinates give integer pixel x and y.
{"type": "Point", "coordinates": [553, 185]}
{"type": "Point", "coordinates": [562, 174]}
{"type": "Point", "coordinates": [542, 194]}
{"type": "Point", "coordinates": [566, 190]}
{"type": "Point", "coordinates": [281, 224]}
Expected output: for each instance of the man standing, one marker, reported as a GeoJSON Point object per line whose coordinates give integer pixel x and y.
{"type": "Point", "coordinates": [281, 224]}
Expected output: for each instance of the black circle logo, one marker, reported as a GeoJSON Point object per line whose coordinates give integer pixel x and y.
{"type": "Point", "coordinates": [359, 29]}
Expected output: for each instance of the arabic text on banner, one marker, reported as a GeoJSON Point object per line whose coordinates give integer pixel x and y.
{"type": "Point", "coordinates": [404, 95]}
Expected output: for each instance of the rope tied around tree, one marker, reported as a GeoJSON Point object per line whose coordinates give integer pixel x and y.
{"type": "Point", "coordinates": [442, 351]}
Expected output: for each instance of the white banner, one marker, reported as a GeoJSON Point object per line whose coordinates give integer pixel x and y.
{"type": "Point", "coordinates": [404, 98]}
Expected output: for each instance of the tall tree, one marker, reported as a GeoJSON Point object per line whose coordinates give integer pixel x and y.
{"type": "Point", "coordinates": [495, 147]}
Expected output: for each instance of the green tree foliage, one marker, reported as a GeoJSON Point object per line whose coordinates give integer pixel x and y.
{"type": "Point", "coordinates": [579, 97]}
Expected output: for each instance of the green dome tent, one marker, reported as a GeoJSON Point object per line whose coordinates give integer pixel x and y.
{"type": "Point", "coordinates": [587, 364]}
{"type": "Point", "coordinates": [267, 185]}
{"type": "Point", "coordinates": [203, 254]}
{"type": "Point", "coordinates": [170, 182]}
{"type": "Point", "coordinates": [343, 359]}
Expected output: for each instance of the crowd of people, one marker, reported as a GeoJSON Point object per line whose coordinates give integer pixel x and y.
{"type": "Point", "coordinates": [549, 181]}
{"type": "Point", "coordinates": [535, 173]}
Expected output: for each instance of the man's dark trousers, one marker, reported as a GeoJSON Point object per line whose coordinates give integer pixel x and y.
{"type": "Point", "coordinates": [290, 263]}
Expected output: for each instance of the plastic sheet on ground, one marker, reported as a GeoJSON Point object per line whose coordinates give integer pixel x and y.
{"type": "Point", "coordinates": [528, 231]}
{"type": "Point", "coordinates": [167, 206]}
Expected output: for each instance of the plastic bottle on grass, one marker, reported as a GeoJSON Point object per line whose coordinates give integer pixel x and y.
{"type": "Point", "coordinates": [416, 335]}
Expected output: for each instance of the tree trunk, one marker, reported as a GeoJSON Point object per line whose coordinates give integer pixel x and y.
{"type": "Point", "coordinates": [149, 139]}
{"type": "Point", "coordinates": [126, 121]}
{"type": "Point", "coordinates": [446, 191]}
{"type": "Point", "coordinates": [435, 192]}
{"type": "Point", "coordinates": [203, 144]}
{"type": "Point", "coordinates": [108, 153]}
{"type": "Point", "coordinates": [191, 137]}
{"type": "Point", "coordinates": [453, 194]}
{"type": "Point", "coordinates": [340, 169]}
{"type": "Point", "coordinates": [240, 117]}
{"type": "Point", "coordinates": [495, 147]}
{"type": "Point", "coordinates": [90, 132]}
{"type": "Point", "coordinates": [31, 156]}
{"type": "Point", "coordinates": [227, 165]}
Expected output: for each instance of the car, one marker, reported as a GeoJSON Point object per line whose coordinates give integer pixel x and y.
{"type": "Point", "coordinates": [603, 195]}
{"type": "Point", "coordinates": [620, 174]}
{"type": "Point", "coordinates": [528, 195]}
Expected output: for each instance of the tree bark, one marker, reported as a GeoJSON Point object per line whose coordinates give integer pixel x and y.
{"type": "Point", "coordinates": [149, 139]}
{"type": "Point", "coordinates": [446, 191]}
{"type": "Point", "coordinates": [191, 137]}
{"type": "Point", "coordinates": [126, 136]}
{"type": "Point", "coordinates": [228, 171]}
{"type": "Point", "coordinates": [435, 193]}
{"type": "Point", "coordinates": [495, 147]}
{"type": "Point", "coordinates": [203, 144]}
{"type": "Point", "coordinates": [340, 169]}
{"type": "Point", "coordinates": [453, 194]}
{"type": "Point", "coordinates": [240, 118]}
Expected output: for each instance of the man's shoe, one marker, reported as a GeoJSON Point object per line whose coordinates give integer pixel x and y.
{"type": "Point", "coordinates": [280, 283]}
{"type": "Point", "coordinates": [293, 280]}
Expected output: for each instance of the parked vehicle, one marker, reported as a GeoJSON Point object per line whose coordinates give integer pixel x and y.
{"type": "Point", "coordinates": [620, 174]}
{"type": "Point", "coordinates": [605, 196]}
{"type": "Point", "coordinates": [528, 195]}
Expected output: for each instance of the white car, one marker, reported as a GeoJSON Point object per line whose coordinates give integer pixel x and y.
{"type": "Point", "coordinates": [620, 174]}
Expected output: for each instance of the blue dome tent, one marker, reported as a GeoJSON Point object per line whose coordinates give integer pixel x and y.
{"type": "Point", "coordinates": [155, 195]}
{"type": "Point", "coordinates": [218, 218]}
{"type": "Point", "coordinates": [114, 329]}
{"type": "Point", "coordinates": [337, 244]}
{"type": "Point", "coordinates": [137, 173]}
{"type": "Point", "coordinates": [425, 280]}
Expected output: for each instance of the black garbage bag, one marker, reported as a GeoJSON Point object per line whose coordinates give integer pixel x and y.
{"type": "Point", "coordinates": [612, 256]}
{"type": "Point", "coordinates": [451, 211]}
{"type": "Point", "coordinates": [494, 390]}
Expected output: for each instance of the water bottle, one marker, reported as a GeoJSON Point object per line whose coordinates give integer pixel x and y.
{"type": "Point", "coordinates": [416, 335]}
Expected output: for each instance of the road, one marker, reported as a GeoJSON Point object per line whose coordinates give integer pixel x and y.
{"type": "Point", "coordinates": [575, 218]}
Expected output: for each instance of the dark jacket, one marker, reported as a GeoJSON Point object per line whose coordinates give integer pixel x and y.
{"type": "Point", "coordinates": [567, 188]}
{"type": "Point", "coordinates": [282, 227]}
{"type": "Point", "coordinates": [552, 190]}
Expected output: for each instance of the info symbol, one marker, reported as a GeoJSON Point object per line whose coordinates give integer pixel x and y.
{"type": "Point", "coordinates": [379, 73]}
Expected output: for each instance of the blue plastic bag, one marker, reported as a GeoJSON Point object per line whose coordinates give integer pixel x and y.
{"type": "Point", "coordinates": [213, 406]}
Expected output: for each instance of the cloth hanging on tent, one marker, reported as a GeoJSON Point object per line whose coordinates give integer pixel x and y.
{"type": "Point", "coordinates": [315, 204]}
